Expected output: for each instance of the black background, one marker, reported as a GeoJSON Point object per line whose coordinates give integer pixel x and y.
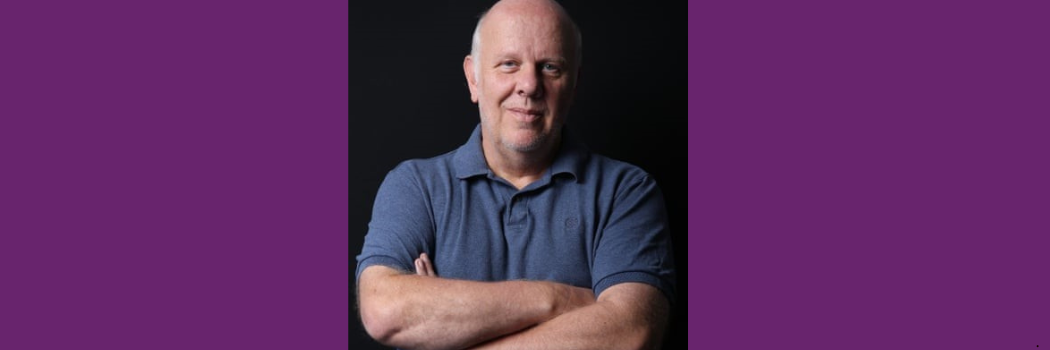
{"type": "Point", "coordinates": [409, 99]}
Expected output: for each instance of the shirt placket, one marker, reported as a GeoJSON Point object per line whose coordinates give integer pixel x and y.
{"type": "Point", "coordinates": [517, 211]}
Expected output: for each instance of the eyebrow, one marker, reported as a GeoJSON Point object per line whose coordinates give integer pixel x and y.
{"type": "Point", "coordinates": [506, 56]}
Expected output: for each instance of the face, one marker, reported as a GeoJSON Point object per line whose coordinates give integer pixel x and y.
{"type": "Point", "coordinates": [523, 81]}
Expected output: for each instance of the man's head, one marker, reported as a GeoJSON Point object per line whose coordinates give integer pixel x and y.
{"type": "Point", "coordinates": [522, 73]}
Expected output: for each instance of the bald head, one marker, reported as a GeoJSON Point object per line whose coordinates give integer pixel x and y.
{"type": "Point", "coordinates": [522, 73]}
{"type": "Point", "coordinates": [535, 11]}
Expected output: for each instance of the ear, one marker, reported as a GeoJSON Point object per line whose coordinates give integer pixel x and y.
{"type": "Point", "coordinates": [472, 81]}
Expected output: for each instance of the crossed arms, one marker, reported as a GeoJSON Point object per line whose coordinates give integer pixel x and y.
{"type": "Point", "coordinates": [424, 311]}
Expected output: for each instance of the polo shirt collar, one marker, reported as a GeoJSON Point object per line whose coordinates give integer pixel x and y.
{"type": "Point", "coordinates": [571, 156]}
{"type": "Point", "coordinates": [469, 159]}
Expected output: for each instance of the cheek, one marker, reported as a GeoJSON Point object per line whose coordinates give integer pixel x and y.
{"type": "Point", "coordinates": [559, 96]}
{"type": "Point", "coordinates": [497, 87]}
{"type": "Point", "coordinates": [504, 90]}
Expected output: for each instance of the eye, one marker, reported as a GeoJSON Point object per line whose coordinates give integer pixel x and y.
{"type": "Point", "coordinates": [551, 68]}
{"type": "Point", "coordinates": [508, 64]}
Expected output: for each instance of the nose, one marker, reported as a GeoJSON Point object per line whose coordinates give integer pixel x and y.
{"type": "Point", "coordinates": [530, 83]}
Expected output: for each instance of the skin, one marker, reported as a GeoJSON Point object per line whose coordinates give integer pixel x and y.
{"type": "Point", "coordinates": [523, 80]}
{"type": "Point", "coordinates": [640, 332]}
{"type": "Point", "coordinates": [418, 311]}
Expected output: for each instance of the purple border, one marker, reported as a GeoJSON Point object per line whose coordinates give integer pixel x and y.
{"type": "Point", "coordinates": [173, 175]}
{"type": "Point", "coordinates": [869, 175]}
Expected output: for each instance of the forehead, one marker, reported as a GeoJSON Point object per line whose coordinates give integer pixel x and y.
{"type": "Point", "coordinates": [536, 34]}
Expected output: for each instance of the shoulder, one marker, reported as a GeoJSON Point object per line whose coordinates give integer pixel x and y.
{"type": "Point", "coordinates": [608, 171]}
{"type": "Point", "coordinates": [424, 178]}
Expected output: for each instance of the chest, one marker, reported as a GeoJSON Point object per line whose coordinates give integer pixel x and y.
{"type": "Point", "coordinates": [493, 232]}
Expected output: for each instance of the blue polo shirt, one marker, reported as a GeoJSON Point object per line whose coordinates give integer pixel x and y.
{"type": "Point", "coordinates": [590, 221]}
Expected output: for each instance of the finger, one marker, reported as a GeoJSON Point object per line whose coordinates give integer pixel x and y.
{"type": "Point", "coordinates": [420, 270]}
{"type": "Point", "coordinates": [427, 265]}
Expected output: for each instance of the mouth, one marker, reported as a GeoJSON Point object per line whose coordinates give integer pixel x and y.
{"type": "Point", "coordinates": [525, 115]}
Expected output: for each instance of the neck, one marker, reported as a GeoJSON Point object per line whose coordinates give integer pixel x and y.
{"type": "Point", "coordinates": [519, 168]}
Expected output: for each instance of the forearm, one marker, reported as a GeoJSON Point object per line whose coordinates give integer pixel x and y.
{"type": "Point", "coordinates": [421, 312]}
{"type": "Point", "coordinates": [634, 319]}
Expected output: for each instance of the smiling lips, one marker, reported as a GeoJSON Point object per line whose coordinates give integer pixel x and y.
{"type": "Point", "coordinates": [526, 115]}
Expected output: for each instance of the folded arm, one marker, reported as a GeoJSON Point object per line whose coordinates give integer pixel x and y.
{"type": "Point", "coordinates": [421, 311]}
{"type": "Point", "coordinates": [626, 316]}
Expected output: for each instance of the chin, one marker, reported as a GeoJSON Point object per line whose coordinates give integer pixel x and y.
{"type": "Point", "coordinates": [525, 144]}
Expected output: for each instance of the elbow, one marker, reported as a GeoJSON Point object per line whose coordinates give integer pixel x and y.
{"type": "Point", "coordinates": [650, 337]}
{"type": "Point", "coordinates": [382, 309]}
{"type": "Point", "coordinates": [641, 338]}
{"type": "Point", "coordinates": [640, 335]}
{"type": "Point", "coordinates": [380, 322]}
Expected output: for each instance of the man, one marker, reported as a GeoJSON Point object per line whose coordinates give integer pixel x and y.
{"type": "Point", "coordinates": [520, 238]}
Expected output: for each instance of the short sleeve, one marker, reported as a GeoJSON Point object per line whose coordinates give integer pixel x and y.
{"type": "Point", "coordinates": [402, 223]}
{"type": "Point", "coordinates": [635, 243]}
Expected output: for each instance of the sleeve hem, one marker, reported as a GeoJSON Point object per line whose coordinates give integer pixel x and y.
{"type": "Point", "coordinates": [382, 260]}
{"type": "Point", "coordinates": [635, 276]}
